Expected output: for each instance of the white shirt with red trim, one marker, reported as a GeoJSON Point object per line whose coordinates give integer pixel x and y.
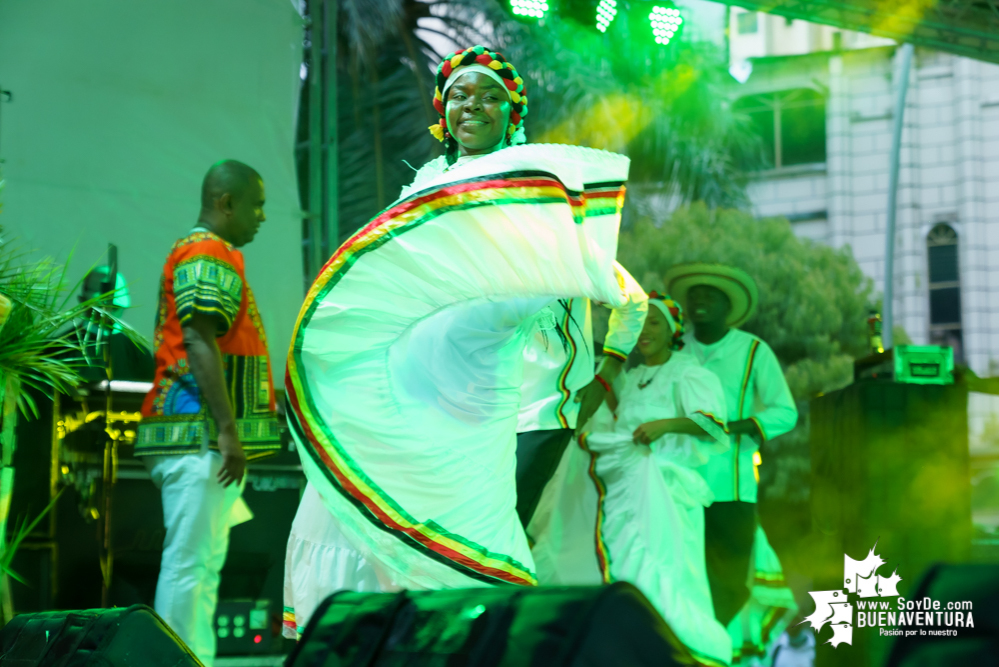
{"type": "Point", "coordinates": [555, 371]}
{"type": "Point", "coordinates": [755, 388]}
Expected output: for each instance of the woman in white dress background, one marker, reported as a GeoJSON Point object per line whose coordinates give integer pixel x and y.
{"type": "Point", "coordinates": [627, 505]}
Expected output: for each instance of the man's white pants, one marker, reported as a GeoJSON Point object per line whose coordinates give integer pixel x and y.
{"type": "Point", "coordinates": [197, 513]}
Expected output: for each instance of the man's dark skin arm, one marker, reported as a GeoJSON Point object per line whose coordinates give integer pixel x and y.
{"type": "Point", "coordinates": [649, 432]}
{"type": "Point", "coordinates": [744, 427]}
{"type": "Point", "coordinates": [205, 360]}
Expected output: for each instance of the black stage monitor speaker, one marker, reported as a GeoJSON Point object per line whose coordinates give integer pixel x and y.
{"type": "Point", "coordinates": [490, 627]}
{"type": "Point", "coordinates": [121, 637]}
{"type": "Point", "coordinates": [974, 589]}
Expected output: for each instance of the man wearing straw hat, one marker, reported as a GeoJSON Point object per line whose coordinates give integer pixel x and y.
{"type": "Point", "coordinates": [718, 299]}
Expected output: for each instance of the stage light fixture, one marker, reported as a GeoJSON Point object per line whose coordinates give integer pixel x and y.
{"type": "Point", "coordinates": [529, 8]}
{"type": "Point", "coordinates": [606, 11]}
{"type": "Point", "coordinates": [666, 23]}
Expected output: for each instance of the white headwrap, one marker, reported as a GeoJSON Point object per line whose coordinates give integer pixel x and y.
{"type": "Point", "coordinates": [664, 309]}
{"type": "Point", "coordinates": [676, 328]}
{"type": "Point", "coordinates": [518, 137]}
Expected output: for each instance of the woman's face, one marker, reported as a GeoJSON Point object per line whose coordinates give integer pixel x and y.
{"type": "Point", "coordinates": [654, 341]}
{"type": "Point", "coordinates": [478, 111]}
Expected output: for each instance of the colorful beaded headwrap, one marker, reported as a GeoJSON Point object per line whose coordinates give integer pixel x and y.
{"type": "Point", "coordinates": [674, 317]}
{"type": "Point", "coordinates": [494, 61]}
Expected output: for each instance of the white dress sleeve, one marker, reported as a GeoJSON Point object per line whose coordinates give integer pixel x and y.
{"type": "Point", "coordinates": [627, 320]}
{"type": "Point", "coordinates": [696, 395]}
{"type": "Point", "coordinates": [703, 401]}
{"type": "Point", "coordinates": [424, 175]}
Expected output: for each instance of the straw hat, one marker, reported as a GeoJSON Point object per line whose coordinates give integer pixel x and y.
{"type": "Point", "coordinates": [735, 283]}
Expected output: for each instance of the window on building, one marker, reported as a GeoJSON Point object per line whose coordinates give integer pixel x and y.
{"type": "Point", "coordinates": [792, 124]}
{"type": "Point", "coordinates": [945, 288]}
{"type": "Point", "coordinates": [746, 23]}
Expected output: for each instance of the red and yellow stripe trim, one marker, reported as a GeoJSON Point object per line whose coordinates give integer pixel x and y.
{"type": "Point", "coordinates": [722, 425]}
{"type": "Point", "coordinates": [564, 375]}
{"type": "Point", "coordinates": [759, 426]}
{"type": "Point", "coordinates": [346, 476]}
{"type": "Point", "coordinates": [616, 354]}
{"type": "Point", "coordinates": [603, 554]}
{"type": "Point", "coordinates": [288, 619]}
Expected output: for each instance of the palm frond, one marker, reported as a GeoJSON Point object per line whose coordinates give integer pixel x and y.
{"type": "Point", "coordinates": [364, 25]}
{"type": "Point", "coordinates": [40, 342]}
{"type": "Point", "coordinates": [22, 529]}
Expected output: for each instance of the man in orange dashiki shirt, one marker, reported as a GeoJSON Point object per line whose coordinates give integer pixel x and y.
{"type": "Point", "coordinates": [212, 399]}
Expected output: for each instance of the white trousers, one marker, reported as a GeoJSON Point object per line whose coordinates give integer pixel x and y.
{"type": "Point", "coordinates": [197, 514]}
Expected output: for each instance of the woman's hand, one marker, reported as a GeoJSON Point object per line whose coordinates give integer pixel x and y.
{"type": "Point", "coordinates": [649, 432]}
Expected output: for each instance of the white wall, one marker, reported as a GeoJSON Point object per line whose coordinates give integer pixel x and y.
{"type": "Point", "coordinates": [119, 109]}
{"type": "Point", "coordinates": [778, 36]}
{"type": "Point", "coordinates": [949, 173]}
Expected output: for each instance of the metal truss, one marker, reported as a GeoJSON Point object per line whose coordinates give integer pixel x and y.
{"type": "Point", "coordinates": [964, 27]}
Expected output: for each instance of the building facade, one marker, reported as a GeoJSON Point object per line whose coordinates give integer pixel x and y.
{"type": "Point", "coordinates": [823, 101]}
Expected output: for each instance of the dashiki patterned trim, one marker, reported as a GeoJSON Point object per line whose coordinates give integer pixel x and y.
{"type": "Point", "coordinates": [248, 385]}
{"type": "Point", "coordinates": [198, 237]}
{"type": "Point", "coordinates": [603, 554]}
{"type": "Point", "coordinates": [254, 314]}
{"type": "Point", "coordinates": [564, 375]}
{"type": "Point", "coordinates": [535, 187]}
{"type": "Point", "coordinates": [161, 313]}
{"type": "Point", "coordinates": [742, 402]}
{"type": "Point", "coordinates": [209, 285]}
{"type": "Point", "coordinates": [183, 434]}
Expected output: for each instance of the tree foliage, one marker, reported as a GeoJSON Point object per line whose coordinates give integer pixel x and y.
{"type": "Point", "coordinates": [39, 347]}
{"type": "Point", "coordinates": [665, 108]}
{"type": "Point", "coordinates": [813, 299]}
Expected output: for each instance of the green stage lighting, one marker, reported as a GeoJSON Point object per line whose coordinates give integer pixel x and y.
{"type": "Point", "coordinates": [606, 11]}
{"type": "Point", "coordinates": [666, 23]}
{"type": "Point", "coordinates": [529, 8]}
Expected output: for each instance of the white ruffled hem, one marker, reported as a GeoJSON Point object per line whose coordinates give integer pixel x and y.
{"type": "Point", "coordinates": [321, 564]}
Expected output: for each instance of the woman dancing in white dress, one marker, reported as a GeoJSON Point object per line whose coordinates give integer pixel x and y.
{"type": "Point", "coordinates": [626, 504]}
{"type": "Point", "coordinates": [405, 371]}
